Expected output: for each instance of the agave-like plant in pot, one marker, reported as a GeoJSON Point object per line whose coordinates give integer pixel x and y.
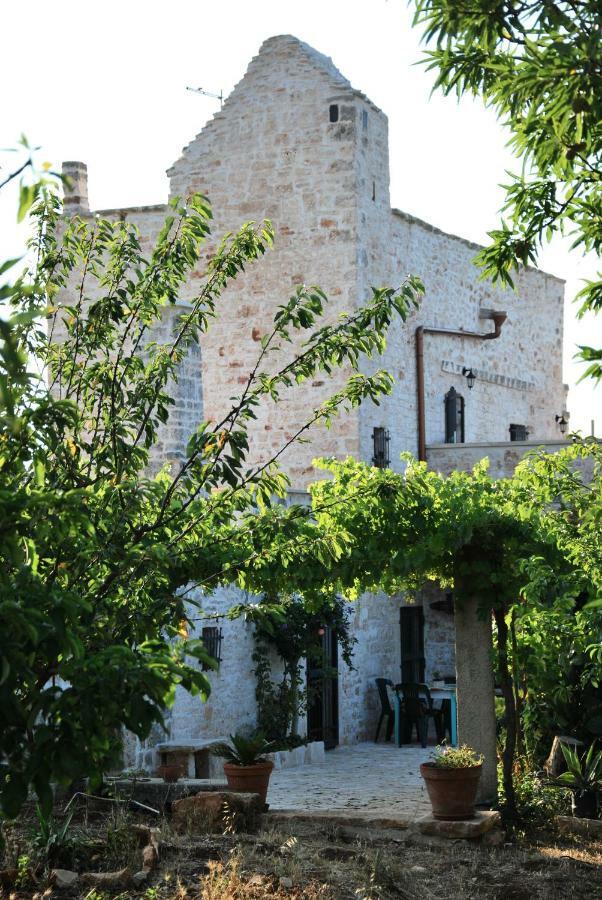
{"type": "Point", "coordinates": [584, 778]}
{"type": "Point", "coordinates": [246, 767]}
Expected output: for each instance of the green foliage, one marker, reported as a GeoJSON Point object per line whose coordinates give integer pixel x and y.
{"type": "Point", "coordinates": [463, 757]}
{"type": "Point", "coordinates": [51, 841]}
{"type": "Point", "coordinates": [583, 774]}
{"type": "Point", "coordinates": [557, 679]}
{"type": "Point", "coordinates": [526, 549]}
{"type": "Point", "coordinates": [244, 751]}
{"type": "Point", "coordinates": [294, 631]}
{"type": "Point", "coordinates": [98, 553]}
{"type": "Point", "coordinates": [538, 65]}
{"type": "Point", "coordinates": [537, 801]}
{"type": "Point", "coordinates": [23, 871]}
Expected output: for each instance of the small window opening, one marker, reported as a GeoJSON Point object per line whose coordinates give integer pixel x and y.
{"type": "Point", "coordinates": [212, 641]}
{"type": "Point", "coordinates": [381, 441]}
{"type": "Point", "coordinates": [373, 191]}
{"type": "Point", "coordinates": [519, 432]}
{"type": "Point", "coordinates": [454, 417]}
{"type": "Point", "coordinates": [334, 112]}
{"type": "Point", "coordinates": [365, 119]}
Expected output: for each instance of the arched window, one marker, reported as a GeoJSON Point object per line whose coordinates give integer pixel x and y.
{"type": "Point", "coordinates": [454, 417]}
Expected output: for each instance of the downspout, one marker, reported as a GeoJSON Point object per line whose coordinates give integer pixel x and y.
{"type": "Point", "coordinates": [498, 317]}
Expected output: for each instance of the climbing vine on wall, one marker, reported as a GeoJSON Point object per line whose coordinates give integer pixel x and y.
{"type": "Point", "coordinates": [293, 633]}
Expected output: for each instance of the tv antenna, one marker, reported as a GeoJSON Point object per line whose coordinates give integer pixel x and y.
{"type": "Point", "coordinates": [205, 93]}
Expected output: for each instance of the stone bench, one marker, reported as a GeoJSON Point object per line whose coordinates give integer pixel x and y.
{"type": "Point", "coordinates": [193, 755]}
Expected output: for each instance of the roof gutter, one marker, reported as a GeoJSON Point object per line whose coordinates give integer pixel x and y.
{"type": "Point", "coordinates": [498, 318]}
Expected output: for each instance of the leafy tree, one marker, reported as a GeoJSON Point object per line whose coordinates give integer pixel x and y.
{"type": "Point", "coordinates": [527, 550]}
{"type": "Point", "coordinates": [538, 63]}
{"type": "Point", "coordinates": [97, 552]}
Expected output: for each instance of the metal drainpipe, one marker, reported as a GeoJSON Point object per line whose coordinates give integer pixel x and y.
{"type": "Point", "coordinates": [498, 317]}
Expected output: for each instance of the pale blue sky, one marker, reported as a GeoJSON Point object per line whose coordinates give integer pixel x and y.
{"type": "Point", "coordinates": [106, 84]}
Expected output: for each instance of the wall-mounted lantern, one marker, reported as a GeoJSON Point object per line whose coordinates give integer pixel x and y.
{"type": "Point", "coordinates": [470, 377]}
{"type": "Point", "coordinates": [562, 424]}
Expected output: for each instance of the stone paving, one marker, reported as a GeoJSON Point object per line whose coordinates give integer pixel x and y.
{"type": "Point", "coordinates": [377, 780]}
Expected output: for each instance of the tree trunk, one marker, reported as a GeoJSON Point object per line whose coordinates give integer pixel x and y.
{"type": "Point", "coordinates": [518, 700]}
{"type": "Point", "coordinates": [507, 686]}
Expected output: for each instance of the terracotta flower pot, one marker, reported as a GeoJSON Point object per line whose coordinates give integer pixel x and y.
{"type": "Point", "coordinates": [452, 792]}
{"type": "Point", "coordinates": [249, 779]}
{"type": "Point", "coordinates": [584, 804]}
{"type": "Point", "coordinates": [170, 773]}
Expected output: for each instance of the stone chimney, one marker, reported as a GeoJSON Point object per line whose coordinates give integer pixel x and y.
{"type": "Point", "coordinates": [75, 189]}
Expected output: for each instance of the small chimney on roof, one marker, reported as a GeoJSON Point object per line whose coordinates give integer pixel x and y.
{"type": "Point", "coordinates": [75, 189]}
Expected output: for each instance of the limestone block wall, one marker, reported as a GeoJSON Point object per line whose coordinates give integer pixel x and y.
{"type": "Point", "coordinates": [187, 411]}
{"type": "Point", "coordinates": [231, 705]}
{"type": "Point", "coordinates": [439, 635]}
{"type": "Point", "coordinates": [375, 622]}
{"type": "Point", "coordinates": [519, 375]}
{"type": "Point", "coordinates": [503, 458]}
{"type": "Point", "coordinates": [272, 152]}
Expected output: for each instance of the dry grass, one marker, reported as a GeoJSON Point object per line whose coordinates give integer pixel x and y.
{"type": "Point", "coordinates": [324, 862]}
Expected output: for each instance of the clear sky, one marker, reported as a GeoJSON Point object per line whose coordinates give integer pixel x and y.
{"type": "Point", "coordinates": [106, 83]}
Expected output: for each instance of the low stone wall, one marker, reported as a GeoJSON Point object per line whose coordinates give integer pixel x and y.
{"type": "Point", "coordinates": [503, 457]}
{"type": "Point", "coordinates": [307, 754]}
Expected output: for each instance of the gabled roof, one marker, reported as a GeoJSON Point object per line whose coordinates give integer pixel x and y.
{"type": "Point", "coordinates": [293, 47]}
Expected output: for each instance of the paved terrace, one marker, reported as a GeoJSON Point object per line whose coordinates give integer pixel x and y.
{"type": "Point", "coordinates": [370, 780]}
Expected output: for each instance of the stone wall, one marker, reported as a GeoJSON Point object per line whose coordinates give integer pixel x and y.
{"type": "Point", "coordinates": [439, 635]}
{"type": "Point", "coordinates": [231, 705]}
{"type": "Point", "coordinates": [187, 410]}
{"type": "Point", "coordinates": [503, 458]}
{"type": "Point", "coordinates": [519, 375]}
{"type": "Point", "coordinates": [375, 622]}
{"type": "Point", "coordinates": [272, 152]}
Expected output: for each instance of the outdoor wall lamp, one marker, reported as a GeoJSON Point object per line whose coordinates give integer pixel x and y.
{"type": "Point", "coordinates": [562, 424]}
{"type": "Point", "coordinates": [470, 377]}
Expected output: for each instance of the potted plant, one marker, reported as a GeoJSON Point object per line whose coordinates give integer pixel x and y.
{"type": "Point", "coordinates": [245, 766]}
{"type": "Point", "coordinates": [452, 779]}
{"type": "Point", "coordinates": [170, 772]}
{"type": "Point", "coordinates": [584, 778]}
{"type": "Point", "coordinates": [438, 681]}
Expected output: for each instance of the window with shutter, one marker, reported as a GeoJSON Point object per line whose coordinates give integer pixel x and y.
{"type": "Point", "coordinates": [454, 417]}
{"type": "Point", "coordinates": [381, 441]}
{"type": "Point", "coordinates": [518, 433]}
{"type": "Point", "coordinates": [212, 640]}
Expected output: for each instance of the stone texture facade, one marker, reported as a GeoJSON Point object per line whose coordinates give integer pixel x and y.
{"type": "Point", "coordinates": [503, 458]}
{"type": "Point", "coordinates": [297, 144]}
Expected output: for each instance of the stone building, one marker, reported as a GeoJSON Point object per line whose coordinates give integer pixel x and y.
{"type": "Point", "coordinates": [297, 144]}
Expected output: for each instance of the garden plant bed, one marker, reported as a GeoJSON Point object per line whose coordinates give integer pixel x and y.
{"type": "Point", "coordinates": [312, 860]}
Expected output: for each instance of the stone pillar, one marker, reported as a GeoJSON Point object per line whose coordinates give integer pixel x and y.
{"type": "Point", "coordinates": [475, 691]}
{"type": "Point", "coordinates": [75, 189]}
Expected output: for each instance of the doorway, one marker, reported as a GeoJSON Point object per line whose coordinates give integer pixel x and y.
{"type": "Point", "coordinates": [323, 692]}
{"type": "Point", "coordinates": [411, 630]}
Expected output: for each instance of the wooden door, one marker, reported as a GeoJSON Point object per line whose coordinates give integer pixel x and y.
{"type": "Point", "coordinates": [411, 628]}
{"type": "Point", "coordinates": [323, 693]}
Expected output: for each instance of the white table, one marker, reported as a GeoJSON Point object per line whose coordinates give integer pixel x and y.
{"type": "Point", "coordinates": [449, 693]}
